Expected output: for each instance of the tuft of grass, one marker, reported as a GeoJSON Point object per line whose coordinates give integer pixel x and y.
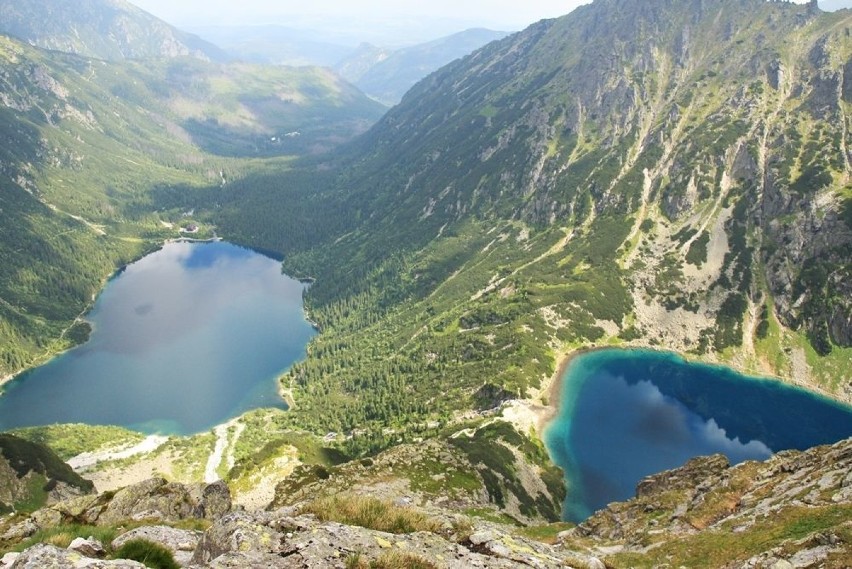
{"type": "Point", "coordinates": [63, 535]}
{"type": "Point", "coordinates": [371, 513]}
{"type": "Point", "coordinates": [545, 533]}
{"type": "Point", "coordinates": [147, 552]}
{"type": "Point", "coordinates": [61, 539]}
{"type": "Point", "coordinates": [355, 561]}
{"type": "Point", "coordinates": [401, 560]}
{"type": "Point", "coordinates": [722, 547]}
{"type": "Point", "coordinates": [389, 560]}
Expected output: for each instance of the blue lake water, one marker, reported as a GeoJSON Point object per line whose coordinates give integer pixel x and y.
{"type": "Point", "coordinates": [625, 414]}
{"type": "Point", "coordinates": [184, 339]}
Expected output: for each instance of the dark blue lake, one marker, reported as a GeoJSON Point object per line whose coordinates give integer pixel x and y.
{"type": "Point", "coordinates": [625, 414]}
{"type": "Point", "coordinates": [184, 339]}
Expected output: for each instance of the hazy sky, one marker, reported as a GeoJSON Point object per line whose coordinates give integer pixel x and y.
{"type": "Point", "coordinates": [390, 23]}
{"type": "Point", "coordinates": [501, 14]}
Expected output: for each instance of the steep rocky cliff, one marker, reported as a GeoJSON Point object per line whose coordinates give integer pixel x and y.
{"type": "Point", "coordinates": [31, 475]}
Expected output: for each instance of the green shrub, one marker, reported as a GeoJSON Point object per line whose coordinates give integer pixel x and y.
{"type": "Point", "coordinates": [151, 554]}
{"type": "Point", "coordinates": [697, 254]}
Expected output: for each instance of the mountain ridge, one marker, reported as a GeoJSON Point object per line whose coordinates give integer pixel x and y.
{"type": "Point", "coordinates": [666, 175]}
{"type": "Point", "coordinates": [789, 511]}
{"type": "Point", "coordinates": [104, 29]}
{"type": "Point", "coordinates": [93, 143]}
{"type": "Point", "coordinates": [387, 74]}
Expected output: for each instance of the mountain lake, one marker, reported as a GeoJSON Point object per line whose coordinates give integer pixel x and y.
{"type": "Point", "coordinates": [183, 339]}
{"type": "Point", "coordinates": [625, 414]}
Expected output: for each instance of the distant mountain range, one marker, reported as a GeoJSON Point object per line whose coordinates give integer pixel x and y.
{"type": "Point", "coordinates": [104, 29]}
{"type": "Point", "coordinates": [275, 44]}
{"type": "Point", "coordinates": [384, 73]}
{"type": "Point", "coordinates": [387, 74]}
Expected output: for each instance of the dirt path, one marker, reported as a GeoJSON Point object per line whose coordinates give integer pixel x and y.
{"type": "Point", "coordinates": [215, 459]}
{"type": "Point", "coordinates": [224, 449]}
{"type": "Point", "coordinates": [98, 229]}
{"type": "Point", "coordinates": [230, 459]}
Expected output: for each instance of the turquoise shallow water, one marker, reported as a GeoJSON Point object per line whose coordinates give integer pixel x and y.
{"type": "Point", "coordinates": [625, 414]}
{"type": "Point", "coordinates": [184, 339]}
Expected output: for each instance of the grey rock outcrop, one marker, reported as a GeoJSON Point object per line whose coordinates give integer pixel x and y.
{"type": "Point", "coordinates": [277, 539]}
{"type": "Point", "coordinates": [43, 556]}
{"type": "Point", "coordinates": [707, 492]}
{"type": "Point", "coordinates": [151, 500]}
{"type": "Point", "coordinates": [215, 501]}
{"type": "Point", "coordinates": [237, 532]}
{"type": "Point", "coordinates": [692, 474]}
{"type": "Point", "coordinates": [154, 499]}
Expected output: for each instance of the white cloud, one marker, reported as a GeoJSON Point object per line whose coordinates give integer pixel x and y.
{"type": "Point", "coordinates": [716, 437]}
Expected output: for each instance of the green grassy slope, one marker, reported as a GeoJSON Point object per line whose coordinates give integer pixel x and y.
{"type": "Point", "coordinates": [653, 174]}
{"type": "Point", "coordinates": [98, 157]}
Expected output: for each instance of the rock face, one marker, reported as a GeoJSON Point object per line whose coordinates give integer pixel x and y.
{"type": "Point", "coordinates": [705, 497]}
{"type": "Point", "coordinates": [681, 142]}
{"type": "Point", "coordinates": [154, 499]}
{"type": "Point", "coordinates": [280, 539]}
{"type": "Point", "coordinates": [708, 496]}
{"type": "Point", "coordinates": [43, 556]}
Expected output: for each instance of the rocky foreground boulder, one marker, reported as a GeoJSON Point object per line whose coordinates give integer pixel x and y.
{"type": "Point", "coordinates": [794, 510]}
{"type": "Point", "coordinates": [154, 500]}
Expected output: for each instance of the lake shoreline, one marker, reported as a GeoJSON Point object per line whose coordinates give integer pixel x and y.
{"type": "Point", "coordinates": [554, 387]}
{"type": "Point", "coordinates": [264, 295]}
{"type": "Point", "coordinates": [192, 240]}
{"type": "Point", "coordinates": [550, 396]}
{"type": "Point", "coordinates": [152, 247]}
{"type": "Point", "coordinates": [685, 407]}
{"type": "Point", "coordinates": [48, 355]}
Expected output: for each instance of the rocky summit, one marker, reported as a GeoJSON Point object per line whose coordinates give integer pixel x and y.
{"type": "Point", "coordinates": [793, 510]}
